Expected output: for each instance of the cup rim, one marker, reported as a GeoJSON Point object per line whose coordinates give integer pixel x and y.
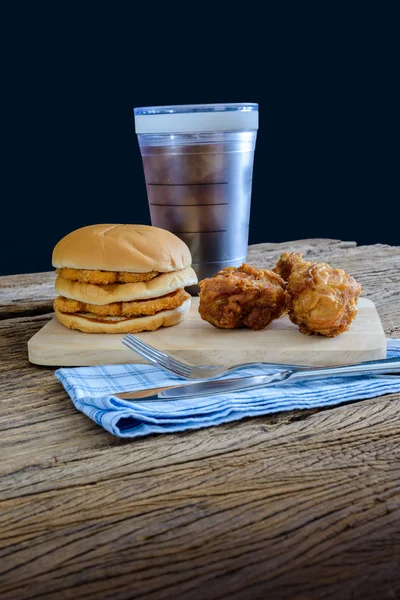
{"type": "Point", "coordinates": [195, 108]}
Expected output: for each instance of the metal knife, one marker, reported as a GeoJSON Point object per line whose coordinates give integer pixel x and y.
{"type": "Point", "coordinates": [203, 388]}
{"type": "Point", "coordinates": [241, 384]}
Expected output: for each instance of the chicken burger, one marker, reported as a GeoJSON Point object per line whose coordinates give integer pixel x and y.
{"type": "Point", "coordinates": [122, 279]}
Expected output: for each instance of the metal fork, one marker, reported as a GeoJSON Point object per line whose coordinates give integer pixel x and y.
{"type": "Point", "coordinates": [172, 365]}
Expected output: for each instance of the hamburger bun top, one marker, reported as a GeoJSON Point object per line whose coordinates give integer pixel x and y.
{"type": "Point", "coordinates": [131, 248]}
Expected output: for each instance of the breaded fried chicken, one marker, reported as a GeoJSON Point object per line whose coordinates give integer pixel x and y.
{"type": "Point", "coordinates": [286, 263]}
{"type": "Point", "coordinates": [104, 277]}
{"type": "Point", "coordinates": [123, 309]}
{"type": "Point", "coordinates": [321, 300]}
{"type": "Point", "coordinates": [242, 297]}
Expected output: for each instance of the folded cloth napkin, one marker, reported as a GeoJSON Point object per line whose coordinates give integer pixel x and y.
{"type": "Point", "coordinates": [91, 390]}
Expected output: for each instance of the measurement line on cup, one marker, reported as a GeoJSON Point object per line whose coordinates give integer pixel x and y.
{"type": "Point", "coordinates": [211, 204]}
{"type": "Point", "coordinates": [189, 184]}
{"type": "Point", "coordinates": [208, 231]}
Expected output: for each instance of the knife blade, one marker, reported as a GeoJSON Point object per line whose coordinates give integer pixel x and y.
{"type": "Point", "coordinates": [240, 384]}
{"type": "Point", "coordinates": [203, 388]}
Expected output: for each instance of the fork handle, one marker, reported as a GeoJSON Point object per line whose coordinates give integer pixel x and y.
{"type": "Point", "coordinates": [309, 368]}
{"type": "Point", "coordinates": [374, 367]}
{"type": "Point", "coordinates": [288, 366]}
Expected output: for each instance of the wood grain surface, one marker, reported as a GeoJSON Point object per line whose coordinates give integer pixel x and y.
{"type": "Point", "coordinates": [300, 505]}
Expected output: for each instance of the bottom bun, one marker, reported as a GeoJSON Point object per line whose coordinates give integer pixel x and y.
{"type": "Point", "coordinates": [91, 323]}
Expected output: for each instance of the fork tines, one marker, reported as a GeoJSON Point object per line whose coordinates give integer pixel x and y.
{"type": "Point", "coordinates": [155, 356]}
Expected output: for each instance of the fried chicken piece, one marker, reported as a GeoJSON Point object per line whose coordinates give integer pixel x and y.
{"type": "Point", "coordinates": [321, 300]}
{"type": "Point", "coordinates": [244, 296]}
{"type": "Point", "coordinates": [123, 309]}
{"type": "Point", "coordinates": [104, 277]}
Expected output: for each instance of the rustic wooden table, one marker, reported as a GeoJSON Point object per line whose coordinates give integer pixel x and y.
{"type": "Point", "coordinates": [299, 505]}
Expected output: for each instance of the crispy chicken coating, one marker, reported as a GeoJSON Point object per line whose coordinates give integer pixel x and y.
{"type": "Point", "coordinates": [286, 263]}
{"type": "Point", "coordinates": [321, 300]}
{"type": "Point", "coordinates": [242, 297]}
{"type": "Point", "coordinates": [104, 277]}
{"type": "Point", "coordinates": [123, 309]}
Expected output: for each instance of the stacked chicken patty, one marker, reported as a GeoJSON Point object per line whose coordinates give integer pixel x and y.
{"type": "Point", "coordinates": [122, 279]}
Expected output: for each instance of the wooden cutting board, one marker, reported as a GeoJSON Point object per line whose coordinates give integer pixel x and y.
{"type": "Point", "coordinates": [200, 343]}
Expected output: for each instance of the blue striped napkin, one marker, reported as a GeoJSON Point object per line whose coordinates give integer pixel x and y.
{"type": "Point", "coordinates": [91, 390]}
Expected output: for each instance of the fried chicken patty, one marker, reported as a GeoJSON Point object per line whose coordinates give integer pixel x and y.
{"type": "Point", "coordinates": [321, 300]}
{"type": "Point", "coordinates": [123, 309]}
{"type": "Point", "coordinates": [243, 296]}
{"type": "Point", "coordinates": [104, 277]}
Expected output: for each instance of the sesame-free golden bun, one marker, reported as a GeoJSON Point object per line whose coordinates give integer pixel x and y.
{"type": "Point", "coordinates": [92, 293]}
{"type": "Point", "coordinates": [131, 248]}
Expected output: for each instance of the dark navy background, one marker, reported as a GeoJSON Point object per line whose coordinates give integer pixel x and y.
{"type": "Point", "coordinates": [326, 162]}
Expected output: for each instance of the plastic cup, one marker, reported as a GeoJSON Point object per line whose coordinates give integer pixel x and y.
{"type": "Point", "coordinates": [198, 167]}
